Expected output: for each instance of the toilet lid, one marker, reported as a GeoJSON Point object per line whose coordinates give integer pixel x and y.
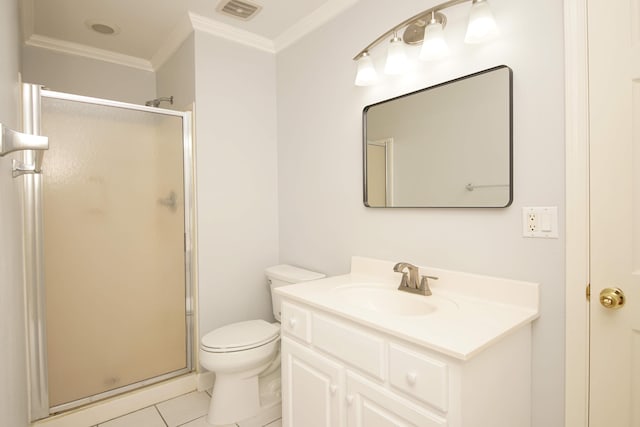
{"type": "Point", "coordinates": [240, 336]}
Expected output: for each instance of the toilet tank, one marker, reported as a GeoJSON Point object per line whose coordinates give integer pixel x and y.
{"type": "Point", "coordinates": [283, 275]}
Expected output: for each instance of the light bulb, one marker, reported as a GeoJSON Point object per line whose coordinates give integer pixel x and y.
{"type": "Point", "coordinates": [396, 57]}
{"type": "Point", "coordinates": [482, 26]}
{"type": "Point", "coordinates": [434, 45]}
{"type": "Point", "coordinates": [366, 74]}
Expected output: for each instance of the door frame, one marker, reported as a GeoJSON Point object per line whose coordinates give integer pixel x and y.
{"type": "Point", "coordinates": [577, 213]}
{"type": "Point", "coordinates": [387, 143]}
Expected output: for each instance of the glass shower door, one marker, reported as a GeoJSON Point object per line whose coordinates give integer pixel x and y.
{"type": "Point", "coordinates": [115, 271]}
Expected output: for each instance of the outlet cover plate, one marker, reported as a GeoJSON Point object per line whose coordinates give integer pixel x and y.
{"type": "Point", "coordinates": [541, 222]}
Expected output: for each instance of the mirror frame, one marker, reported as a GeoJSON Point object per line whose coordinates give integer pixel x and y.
{"type": "Point", "coordinates": [364, 138]}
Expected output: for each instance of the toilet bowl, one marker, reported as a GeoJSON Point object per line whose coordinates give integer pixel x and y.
{"type": "Point", "coordinates": [238, 353]}
{"type": "Point", "coordinates": [245, 356]}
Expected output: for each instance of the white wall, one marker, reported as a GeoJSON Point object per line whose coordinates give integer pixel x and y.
{"type": "Point", "coordinates": [13, 386]}
{"type": "Point", "coordinates": [322, 219]}
{"type": "Point", "coordinates": [236, 178]}
{"type": "Point", "coordinates": [176, 77]}
{"type": "Point", "coordinates": [85, 76]}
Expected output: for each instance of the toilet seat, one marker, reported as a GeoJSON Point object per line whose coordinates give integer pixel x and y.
{"type": "Point", "coordinates": [240, 336]}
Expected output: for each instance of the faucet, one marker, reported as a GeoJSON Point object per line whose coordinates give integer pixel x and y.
{"type": "Point", "coordinates": [409, 282]}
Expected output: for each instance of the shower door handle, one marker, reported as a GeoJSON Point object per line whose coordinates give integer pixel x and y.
{"type": "Point", "coordinates": [170, 201]}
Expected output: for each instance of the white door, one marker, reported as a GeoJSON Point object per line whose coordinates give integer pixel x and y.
{"type": "Point", "coordinates": [313, 388]}
{"type": "Point", "coordinates": [614, 117]}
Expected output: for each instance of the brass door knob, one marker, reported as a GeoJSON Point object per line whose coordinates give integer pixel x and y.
{"type": "Point", "coordinates": [612, 298]}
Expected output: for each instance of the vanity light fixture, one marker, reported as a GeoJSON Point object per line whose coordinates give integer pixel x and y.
{"type": "Point", "coordinates": [482, 26]}
{"type": "Point", "coordinates": [396, 57]}
{"type": "Point", "coordinates": [434, 45]}
{"type": "Point", "coordinates": [366, 74]}
{"type": "Point", "coordinates": [427, 27]}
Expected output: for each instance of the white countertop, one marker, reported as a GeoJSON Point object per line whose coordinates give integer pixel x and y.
{"type": "Point", "coordinates": [471, 311]}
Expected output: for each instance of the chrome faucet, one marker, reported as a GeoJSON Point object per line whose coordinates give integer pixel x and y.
{"type": "Point", "coordinates": [409, 282]}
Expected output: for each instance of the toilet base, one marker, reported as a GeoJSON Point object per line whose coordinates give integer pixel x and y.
{"type": "Point", "coordinates": [236, 399]}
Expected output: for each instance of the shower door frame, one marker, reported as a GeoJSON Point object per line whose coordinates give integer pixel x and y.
{"type": "Point", "coordinates": [34, 253]}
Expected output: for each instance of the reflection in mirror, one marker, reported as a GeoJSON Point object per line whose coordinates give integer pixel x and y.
{"type": "Point", "coordinates": [444, 146]}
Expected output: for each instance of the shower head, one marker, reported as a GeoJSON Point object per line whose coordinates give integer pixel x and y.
{"type": "Point", "coordinates": [156, 102]}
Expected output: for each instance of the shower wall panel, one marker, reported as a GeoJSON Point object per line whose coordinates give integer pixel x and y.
{"type": "Point", "coordinates": [114, 247]}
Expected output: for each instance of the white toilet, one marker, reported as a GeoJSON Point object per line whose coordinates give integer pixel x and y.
{"type": "Point", "coordinates": [245, 357]}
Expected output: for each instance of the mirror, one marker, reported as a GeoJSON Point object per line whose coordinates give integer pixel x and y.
{"type": "Point", "coordinates": [448, 145]}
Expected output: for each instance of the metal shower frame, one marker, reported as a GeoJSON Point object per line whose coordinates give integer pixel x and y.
{"type": "Point", "coordinates": [34, 253]}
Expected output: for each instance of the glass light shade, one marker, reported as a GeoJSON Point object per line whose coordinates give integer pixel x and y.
{"type": "Point", "coordinates": [366, 74]}
{"type": "Point", "coordinates": [434, 46]}
{"type": "Point", "coordinates": [396, 57]}
{"type": "Point", "coordinates": [482, 26]}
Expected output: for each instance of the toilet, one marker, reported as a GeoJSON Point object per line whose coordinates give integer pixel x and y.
{"type": "Point", "coordinates": [245, 357]}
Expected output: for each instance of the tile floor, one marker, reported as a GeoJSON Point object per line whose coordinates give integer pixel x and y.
{"type": "Point", "coordinates": [188, 410]}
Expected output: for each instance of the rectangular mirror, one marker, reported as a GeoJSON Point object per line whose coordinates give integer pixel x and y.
{"type": "Point", "coordinates": [448, 145]}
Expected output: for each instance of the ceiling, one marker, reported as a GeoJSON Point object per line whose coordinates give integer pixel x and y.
{"type": "Point", "coordinates": [149, 30]}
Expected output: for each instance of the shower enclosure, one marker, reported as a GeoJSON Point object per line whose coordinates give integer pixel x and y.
{"type": "Point", "coordinates": [108, 227]}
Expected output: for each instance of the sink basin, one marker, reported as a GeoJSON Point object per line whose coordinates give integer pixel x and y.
{"type": "Point", "coordinates": [386, 300]}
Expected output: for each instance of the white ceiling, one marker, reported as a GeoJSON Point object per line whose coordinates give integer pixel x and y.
{"type": "Point", "coordinates": [149, 29]}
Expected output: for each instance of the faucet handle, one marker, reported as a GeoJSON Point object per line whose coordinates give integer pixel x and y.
{"type": "Point", "coordinates": [424, 284]}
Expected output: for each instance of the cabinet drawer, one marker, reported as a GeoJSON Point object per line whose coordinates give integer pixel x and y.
{"type": "Point", "coordinates": [422, 377]}
{"type": "Point", "coordinates": [349, 344]}
{"type": "Point", "coordinates": [296, 321]}
{"type": "Point", "coordinates": [369, 404]}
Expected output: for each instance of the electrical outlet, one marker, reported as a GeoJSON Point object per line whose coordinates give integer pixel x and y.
{"type": "Point", "coordinates": [540, 222]}
{"type": "Point", "coordinates": [532, 222]}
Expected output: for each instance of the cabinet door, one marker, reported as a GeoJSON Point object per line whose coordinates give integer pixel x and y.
{"type": "Point", "coordinates": [312, 388]}
{"type": "Point", "coordinates": [371, 405]}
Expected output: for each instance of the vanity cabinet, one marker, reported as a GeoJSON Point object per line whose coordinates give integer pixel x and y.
{"type": "Point", "coordinates": [337, 372]}
{"type": "Point", "coordinates": [314, 387]}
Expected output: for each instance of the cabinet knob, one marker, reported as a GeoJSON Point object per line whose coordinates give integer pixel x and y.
{"type": "Point", "coordinates": [412, 377]}
{"type": "Point", "coordinates": [349, 399]}
{"type": "Point", "coordinates": [292, 323]}
{"type": "Point", "coordinates": [333, 388]}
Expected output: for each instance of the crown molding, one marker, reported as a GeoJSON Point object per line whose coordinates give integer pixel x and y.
{"type": "Point", "coordinates": [77, 49]}
{"type": "Point", "coordinates": [229, 32]}
{"type": "Point", "coordinates": [181, 32]}
{"type": "Point", "coordinates": [316, 19]}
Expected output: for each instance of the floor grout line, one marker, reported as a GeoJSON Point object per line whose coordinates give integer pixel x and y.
{"type": "Point", "coordinates": [160, 413]}
{"type": "Point", "coordinates": [123, 415]}
{"type": "Point", "coordinates": [165, 422]}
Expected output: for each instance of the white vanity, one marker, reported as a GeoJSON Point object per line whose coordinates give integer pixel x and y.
{"type": "Point", "coordinates": [358, 352]}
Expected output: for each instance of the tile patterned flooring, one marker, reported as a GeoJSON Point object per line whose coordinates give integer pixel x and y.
{"type": "Point", "coordinates": [188, 410]}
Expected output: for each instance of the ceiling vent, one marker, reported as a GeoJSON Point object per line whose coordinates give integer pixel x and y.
{"type": "Point", "coordinates": [238, 9]}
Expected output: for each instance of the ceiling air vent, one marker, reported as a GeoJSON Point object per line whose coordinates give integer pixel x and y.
{"type": "Point", "coordinates": [238, 9]}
